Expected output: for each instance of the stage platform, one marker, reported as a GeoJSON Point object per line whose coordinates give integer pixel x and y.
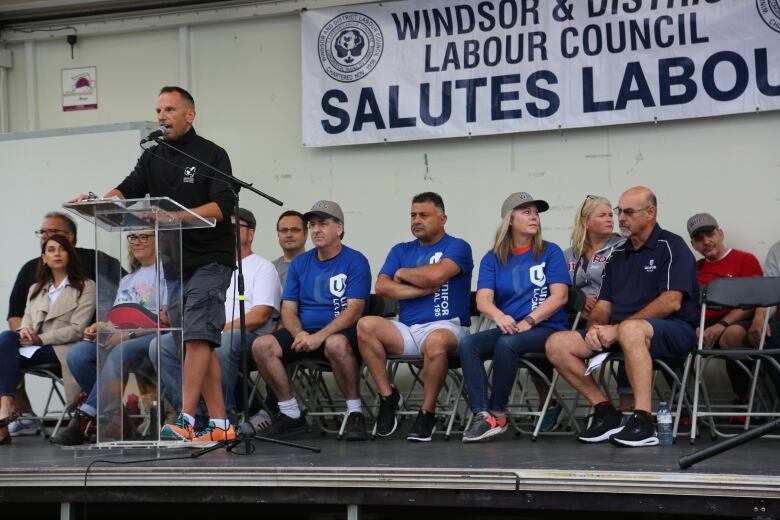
{"type": "Point", "coordinates": [387, 478]}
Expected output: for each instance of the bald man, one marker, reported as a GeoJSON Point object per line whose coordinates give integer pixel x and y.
{"type": "Point", "coordinates": [647, 308]}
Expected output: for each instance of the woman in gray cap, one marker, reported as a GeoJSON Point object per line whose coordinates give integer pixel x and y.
{"type": "Point", "coordinates": [522, 287]}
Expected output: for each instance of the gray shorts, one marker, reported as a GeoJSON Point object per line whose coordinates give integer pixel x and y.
{"type": "Point", "coordinates": [203, 303]}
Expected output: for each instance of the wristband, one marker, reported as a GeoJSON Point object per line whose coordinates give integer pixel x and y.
{"type": "Point", "coordinates": [725, 323]}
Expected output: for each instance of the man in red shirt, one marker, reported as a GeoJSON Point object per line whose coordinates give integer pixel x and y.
{"type": "Point", "coordinates": [719, 262]}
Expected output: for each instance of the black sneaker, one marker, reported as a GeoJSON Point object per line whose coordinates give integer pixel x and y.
{"type": "Point", "coordinates": [638, 431]}
{"type": "Point", "coordinates": [386, 420]}
{"type": "Point", "coordinates": [74, 434]}
{"type": "Point", "coordinates": [284, 426]}
{"type": "Point", "coordinates": [423, 427]}
{"type": "Point", "coordinates": [355, 430]}
{"type": "Point", "coordinates": [606, 422]}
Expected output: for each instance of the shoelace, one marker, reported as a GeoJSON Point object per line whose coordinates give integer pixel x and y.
{"type": "Point", "coordinates": [210, 427]}
{"type": "Point", "coordinates": [181, 422]}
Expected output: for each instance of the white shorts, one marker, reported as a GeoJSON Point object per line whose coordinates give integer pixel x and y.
{"type": "Point", "coordinates": [414, 335]}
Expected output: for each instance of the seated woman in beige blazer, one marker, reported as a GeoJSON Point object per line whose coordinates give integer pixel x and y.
{"type": "Point", "coordinates": [59, 306]}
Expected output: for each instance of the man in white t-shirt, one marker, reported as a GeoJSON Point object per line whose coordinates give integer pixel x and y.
{"type": "Point", "coordinates": [262, 292]}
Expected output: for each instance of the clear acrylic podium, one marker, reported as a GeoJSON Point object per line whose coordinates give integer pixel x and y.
{"type": "Point", "coordinates": [136, 308]}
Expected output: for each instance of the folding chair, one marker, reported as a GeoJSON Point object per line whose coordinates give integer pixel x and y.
{"type": "Point", "coordinates": [450, 402]}
{"type": "Point", "coordinates": [734, 293]}
{"type": "Point", "coordinates": [531, 362]}
{"type": "Point", "coordinates": [310, 385]}
{"type": "Point", "coordinates": [52, 372]}
{"type": "Point", "coordinates": [450, 399]}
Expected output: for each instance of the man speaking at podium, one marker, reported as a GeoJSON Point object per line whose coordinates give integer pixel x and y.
{"type": "Point", "coordinates": [207, 254]}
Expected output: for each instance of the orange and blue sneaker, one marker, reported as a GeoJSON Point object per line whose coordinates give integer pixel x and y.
{"type": "Point", "coordinates": [212, 433]}
{"type": "Point", "coordinates": [484, 426]}
{"type": "Point", "coordinates": [179, 430]}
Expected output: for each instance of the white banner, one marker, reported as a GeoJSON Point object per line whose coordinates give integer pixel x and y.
{"type": "Point", "coordinates": [442, 68]}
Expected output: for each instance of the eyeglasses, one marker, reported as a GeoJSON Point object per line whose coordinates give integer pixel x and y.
{"type": "Point", "coordinates": [138, 239]}
{"type": "Point", "coordinates": [50, 232]}
{"type": "Point", "coordinates": [293, 230]}
{"type": "Point", "coordinates": [629, 212]}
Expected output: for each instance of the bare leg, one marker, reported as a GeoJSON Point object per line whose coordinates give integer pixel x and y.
{"type": "Point", "coordinates": [634, 337]}
{"type": "Point", "coordinates": [378, 337]}
{"type": "Point", "coordinates": [344, 363]}
{"type": "Point", "coordinates": [212, 389]}
{"type": "Point", "coordinates": [268, 359]}
{"type": "Point", "coordinates": [566, 351]}
{"type": "Point", "coordinates": [196, 366]}
{"type": "Point", "coordinates": [436, 347]}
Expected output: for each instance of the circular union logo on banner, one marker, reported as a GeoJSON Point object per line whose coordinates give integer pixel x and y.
{"type": "Point", "coordinates": [770, 12]}
{"type": "Point", "coordinates": [349, 47]}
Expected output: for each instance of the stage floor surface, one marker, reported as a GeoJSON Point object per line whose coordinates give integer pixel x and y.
{"type": "Point", "coordinates": [555, 473]}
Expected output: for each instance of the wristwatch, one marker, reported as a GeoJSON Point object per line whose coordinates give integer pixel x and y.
{"type": "Point", "coordinates": [529, 320]}
{"type": "Point", "coordinates": [132, 335]}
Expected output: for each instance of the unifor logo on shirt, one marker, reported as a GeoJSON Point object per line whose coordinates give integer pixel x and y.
{"type": "Point", "coordinates": [189, 174]}
{"type": "Point", "coordinates": [338, 287]}
{"type": "Point", "coordinates": [441, 298]}
{"type": "Point", "coordinates": [539, 279]}
{"type": "Point", "coordinates": [650, 267]}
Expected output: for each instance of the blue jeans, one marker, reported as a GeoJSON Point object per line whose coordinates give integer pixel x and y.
{"type": "Point", "coordinates": [504, 349]}
{"type": "Point", "coordinates": [228, 354]}
{"type": "Point", "coordinates": [11, 362]}
{"type": "Point", "coordinates": [82, 361]}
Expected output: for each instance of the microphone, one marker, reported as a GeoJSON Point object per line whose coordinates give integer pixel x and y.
{"type": "Point", "coordinates": [160, 132]}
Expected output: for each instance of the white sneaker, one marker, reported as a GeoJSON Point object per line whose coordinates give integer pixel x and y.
{"type": "Point", "coordinates": [27, 424]}
{"type": "Point", "coordinates": [261, 420]}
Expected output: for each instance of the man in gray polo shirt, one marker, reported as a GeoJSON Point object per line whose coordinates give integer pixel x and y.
{"type": "Point", "coordinates": [292, 233]}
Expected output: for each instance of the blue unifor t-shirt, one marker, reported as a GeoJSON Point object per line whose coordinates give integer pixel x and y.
{"type": "Point", "coordinates": [323, 288]}
{"type": "Point", "coordinates": [452, 300]}
{"type": "Point", "coordinates": [523, 283]}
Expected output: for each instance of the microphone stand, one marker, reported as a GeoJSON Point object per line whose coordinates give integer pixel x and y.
{"type": "Point", "coordinates": [246, 432]}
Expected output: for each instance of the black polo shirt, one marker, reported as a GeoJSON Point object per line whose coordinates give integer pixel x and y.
{"type": "Point", "coordinates": [164, 172]}
{"type": "Point", "coordinates": [635, 277]}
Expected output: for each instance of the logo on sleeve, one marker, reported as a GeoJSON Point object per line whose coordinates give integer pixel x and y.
{"type": "Point", "coordinates": [436, 258]}
{"type": "Point", "coordinates": [338, 285]}
{"type": "Point", "coordinates": [189, 174]}
{"type": "Point", "coordinates": [537, 275]}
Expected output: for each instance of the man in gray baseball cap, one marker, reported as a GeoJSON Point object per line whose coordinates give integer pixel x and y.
{"type": "Point", "coordinates": [700, 223]}
{"type": "Point", "coordinates": [324, 295]}
{"type": "Point", "coordinates": [724, 328]}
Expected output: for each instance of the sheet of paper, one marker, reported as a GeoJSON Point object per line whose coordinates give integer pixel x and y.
{"type": "Point", "coordinates": [595, 362]}
{"type": "Point", "coordinates": [28, 352]}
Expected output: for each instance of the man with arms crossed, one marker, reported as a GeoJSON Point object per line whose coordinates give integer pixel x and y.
{"type": "Point", "coordinates": [431, 278]}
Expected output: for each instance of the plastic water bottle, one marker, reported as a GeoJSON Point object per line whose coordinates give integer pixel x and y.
{"type": "Point", "coordinates": [664, 420]}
